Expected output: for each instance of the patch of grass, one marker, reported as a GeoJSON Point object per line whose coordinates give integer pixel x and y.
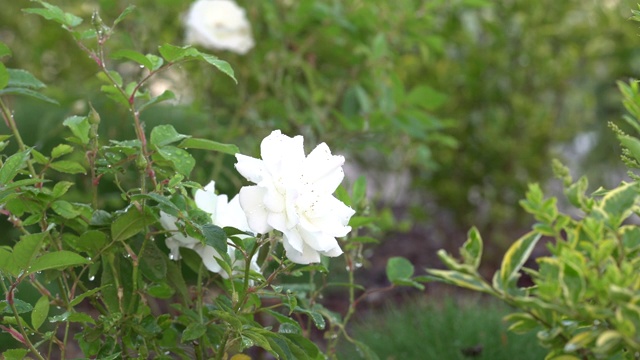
{"type": "Point", "coordinates": [449, 331]}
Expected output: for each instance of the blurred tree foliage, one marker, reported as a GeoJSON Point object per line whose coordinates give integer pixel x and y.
{"type": "Point", "coordinates": [469, 98]}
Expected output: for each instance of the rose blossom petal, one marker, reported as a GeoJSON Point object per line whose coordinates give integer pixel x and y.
{"type": "Point", "coordinates": [318, 240]}
{"type": "Point", "coordinates": [251, 168]}
{"type": "Point", "coordinates": [207, 200]}
{"type": "Point", "coordinates": [292, 238]}
{"type": "Point", "coordinates": [233, 216]}
{"type": "Point", "coordinates": [336, 251]}
{"type": "Point", "coordinates": [251, 201]}
{"type": "Point", "coordinates": [323, 170]}
{"type": "Point", "coordinates": [282, 155]}
{"type": "Point", "coordinates": [207, 253]}
{"type": "Point", "coordinates": [306, 256]}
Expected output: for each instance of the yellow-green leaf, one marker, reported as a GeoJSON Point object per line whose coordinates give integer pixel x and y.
{"type": "Point", "coordinates": [40, 312]}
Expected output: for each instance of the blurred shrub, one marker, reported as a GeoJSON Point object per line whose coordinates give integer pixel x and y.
{"type": "Point", "coordinates": [524, 78]}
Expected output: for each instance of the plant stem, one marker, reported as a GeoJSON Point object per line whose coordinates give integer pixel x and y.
{"type": "Point", "coordinates": [24, 334]}
{"type": "Point", "coordinates": [11, 124]}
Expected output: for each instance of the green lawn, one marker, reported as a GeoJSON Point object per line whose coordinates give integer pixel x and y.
{"type": "Point", "coordinates": [443, 331]}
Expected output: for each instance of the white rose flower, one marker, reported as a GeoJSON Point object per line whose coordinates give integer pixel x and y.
{"type": "Point", "coordinates": [223, 213]}
{"type": "Point", "coordinates": [218, 25]}
{"type": "Point", "coordinates": [294, 194]}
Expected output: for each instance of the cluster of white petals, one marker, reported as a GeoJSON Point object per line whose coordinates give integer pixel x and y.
{"type": "Point", "coordinates": [294, 195]}
{"type": "Point", "coordinates": [218, 25]}
{"type": "Point", "coordinates": [223, 213]}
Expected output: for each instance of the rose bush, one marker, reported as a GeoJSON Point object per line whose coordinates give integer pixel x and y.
{"type": "Point", "coordinates": [107, 284]}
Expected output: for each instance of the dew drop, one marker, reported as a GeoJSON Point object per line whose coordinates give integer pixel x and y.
{"type": "Point", "coordinates": [357, 264]}
{"type": "Point", "coordinates": [91, 278]}
{"type": "Point", "coordinates": [88, 258]}
{"type": "Point", "coordinates": [141, 66]}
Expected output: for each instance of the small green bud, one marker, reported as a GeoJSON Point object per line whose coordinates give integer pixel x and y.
{"type": "Point", "coordinates": [141, 162]}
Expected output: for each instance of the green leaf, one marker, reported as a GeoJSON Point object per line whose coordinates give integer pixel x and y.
{"type": "Point", "coordinates": [359, 190]}
{"type": "Point", "coordinates": [27, 92]}
{"type": "Point", "coordinates": [521, 322]}
{"type": "Point", "coordinates": [79, 126]}
{"type": "Point", "coordinates": [129, 224]}
{"type": "Point", "coordinates": [12, 166]}
{"type": "Point", "coordinates": [15, 354]}
{"type": "Point", "coordinates": [471, 250]}
{"type": "Point", "coordinates": [152, 262]}
{"type": "Point", "coordinates": [205, 144]}
{"type": "Point", "coordinates": [176, 280]}
{"type": "Point", "coordinates": [68, 167]}
{"type": "Point", "coordinates": [164, 135]}
{"type": "Point", "coordinates": [632, 144]}
{"type": "Point", "coordinates": [166, 95]}
{"type": "Point", "coordinates": [618, 202]}
{"type": "Point", "coordinates": [23, 79]}
{"type": "Point", "coordinates": [123, 14]}
{"type": "Point", "coordinates": [317, 318]}
{"type": "Point", "coordinates": [38, 157]}
{"type": "Point", "coordinates": [399, 268]}
{"type": "Point", "coordinates": [580, 341]}
{"type": "Point", "coordinates": [161, 291]}
{"type": "Point", "coordinates": [51, 12]}
{"type": "Point", "coordinates": [607, 341]}
{"type": "Point", "coordinates": [72, 317]}
{"type": "Point", "coordinates": [61, 188]}
{"type": "Point", "coordinates": [56, 260]}
{"type": "Point", "coordinates": [26, 250]}
{"type": "Point", "coordinates": [134, 56]}
{"type": "Point", "coordinates": [78, 299]}
{"type": "Point", "coordinates": [91, 241]}
{"type": "Point", "coordinates": [215, 237]}
{"type": "Point", "coordinates": [182, 161]}
{"type": "Point", "coordinates": [165, 203]}
{"type": "Point", "coordinates": [64, 209]}
{"type": "Point", "coordinates": [516, 256]}
{"type": "Point", "coordinates": [193, 331]}
{"type": "Point", "coordinates": [156, 61]}
{"type": "Point", "coordinates": [4, 76]}
{"type": "Point", "coordinates": [173, 53]}
{"type": "Point", "coordinates": [21, 306]}
{"type": "Point", "coordinates": [61, 150]}
{"type": "Point", "coordinates": [4, 50]}
{"type": "Point", "coordinates": [220, 65]}
{"type": "Point", "coordinates": [40, 312]}
{"type": "Point", "coordinates": [461, 279]}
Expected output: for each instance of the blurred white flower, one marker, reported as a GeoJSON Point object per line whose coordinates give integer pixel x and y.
{"type": "Point", "coordinates": [223, 213]}
{"type": "Point", "coordinates": [294, 194]}
{"type": "Point", "coordinates": [218, 25]}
